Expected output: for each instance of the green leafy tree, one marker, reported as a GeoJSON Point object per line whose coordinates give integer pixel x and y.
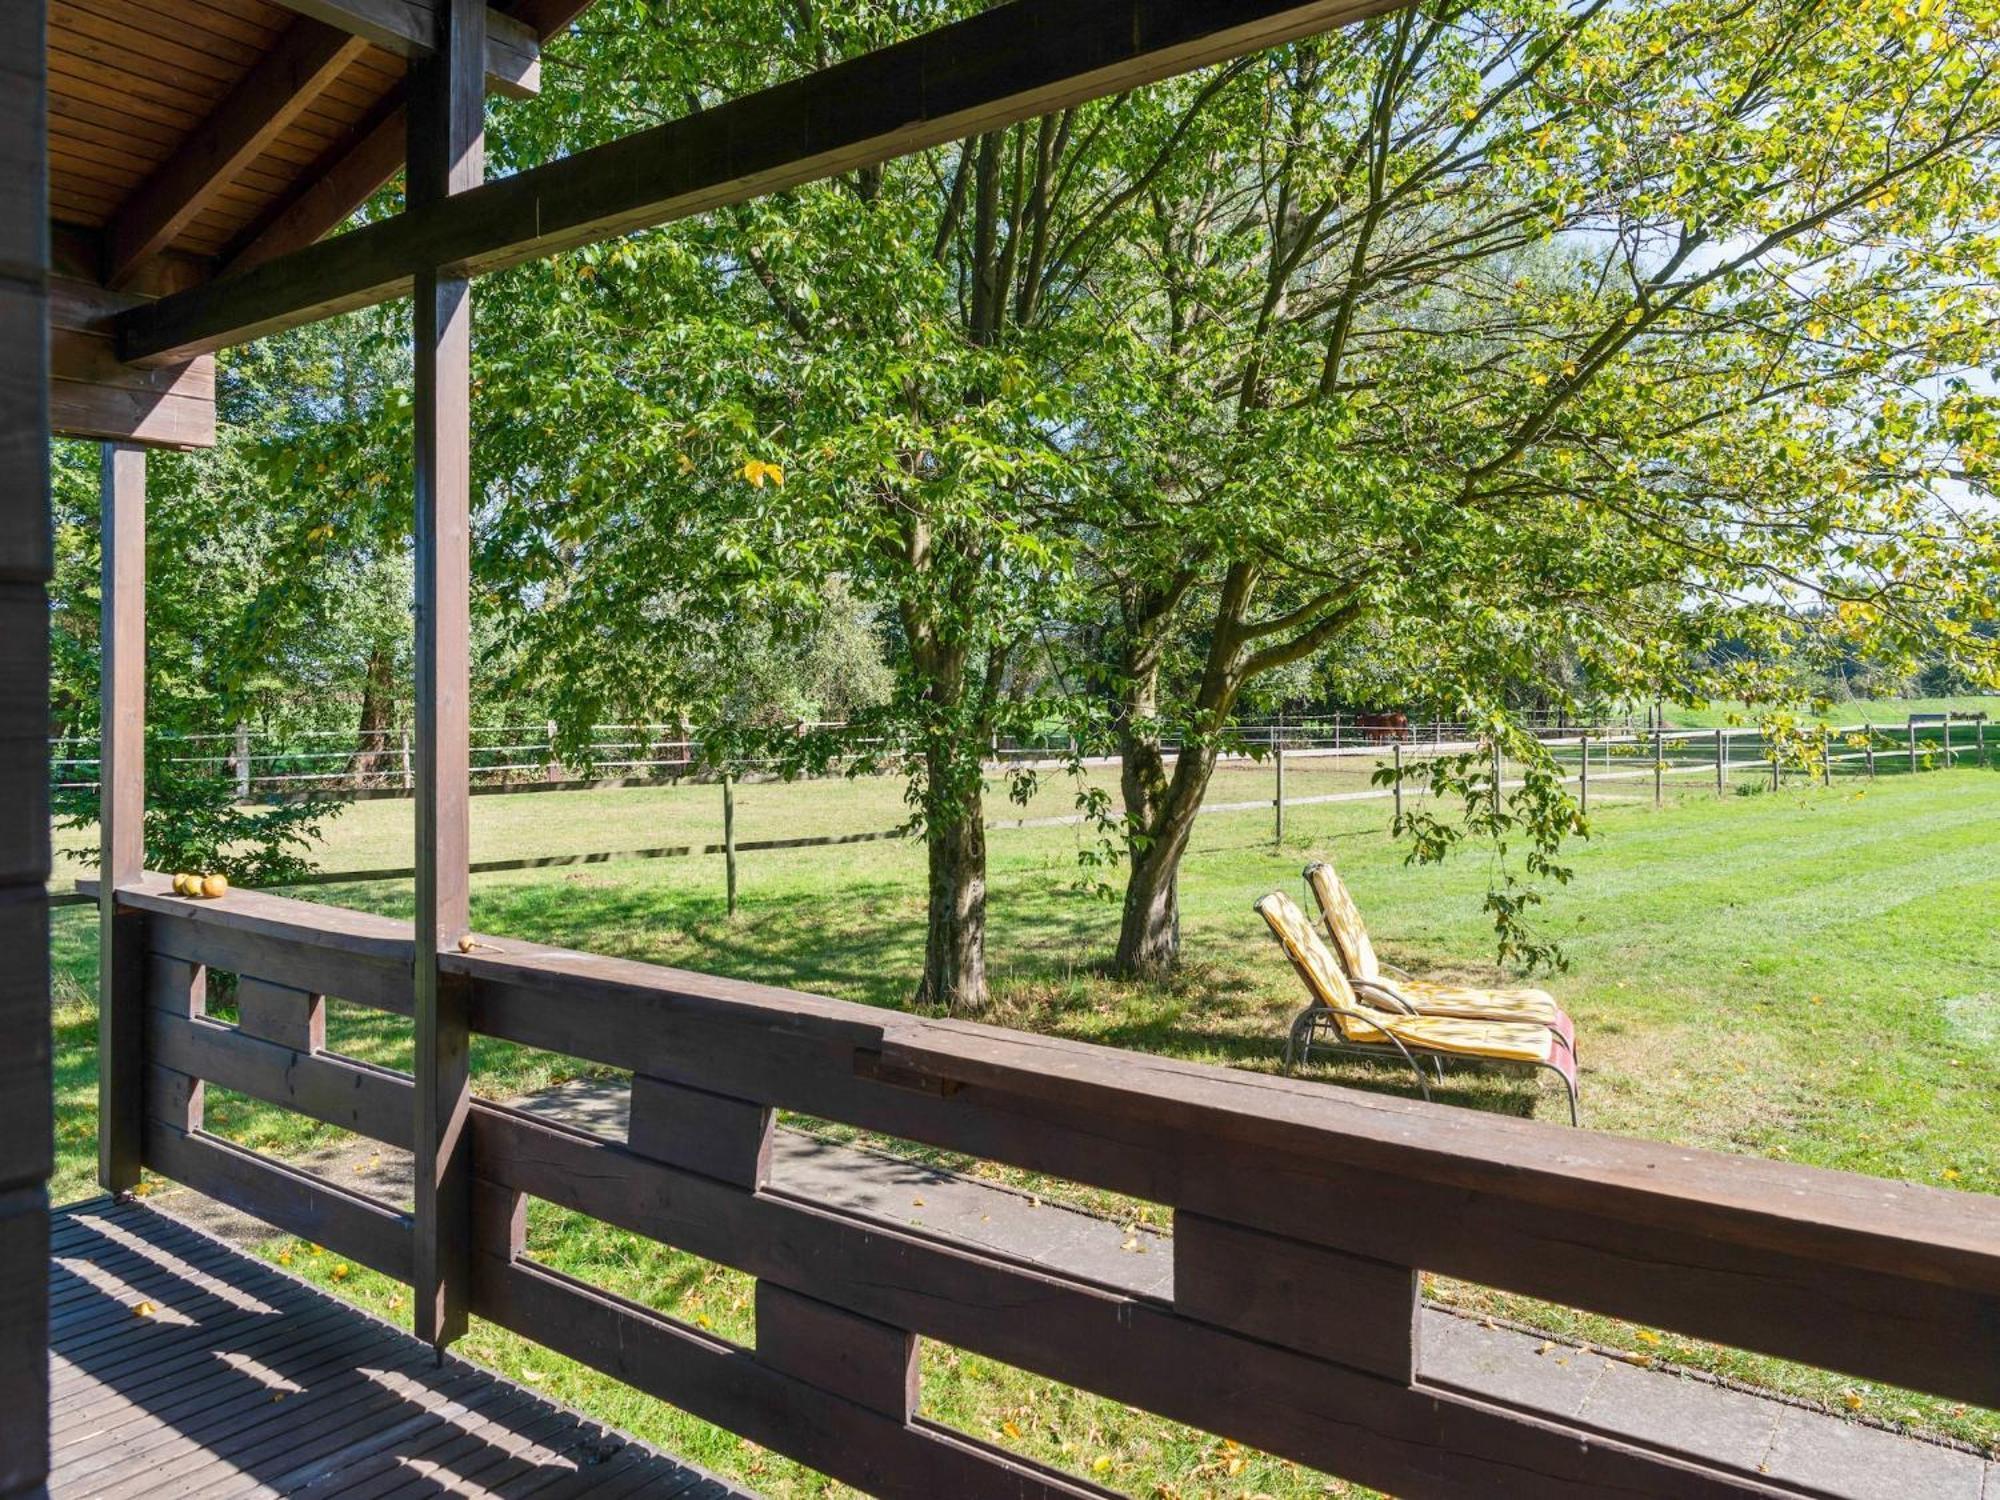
{"type": "Point", "coordinates": [1551, 331]}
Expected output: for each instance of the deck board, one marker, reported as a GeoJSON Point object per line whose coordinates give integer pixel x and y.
{"type": "Point", "coordinates": [245, 1381]}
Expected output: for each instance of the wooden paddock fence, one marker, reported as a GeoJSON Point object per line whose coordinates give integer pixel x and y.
{"type": "Point", "coordinates": [1302, 1214]}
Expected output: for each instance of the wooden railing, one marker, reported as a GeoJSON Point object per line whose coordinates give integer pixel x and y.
{"type": "Point", "coordinates": [1301, 1215]}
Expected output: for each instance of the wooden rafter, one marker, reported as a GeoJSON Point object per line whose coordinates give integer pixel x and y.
{"type": "Point", "coordinates": [362, 164]}
{"type": "Point", "coordinates": [1006, 64]}
{"type": "Point", "coordinates": [276, 91]}
{"type": "Point", "coordinates": [406, 27]}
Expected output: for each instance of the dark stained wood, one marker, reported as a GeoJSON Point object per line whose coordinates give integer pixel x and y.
{"type": "Point", "coordinates": [350, 1223]}
{"type": "Point", "coordinates": [370, 1101]}
{"type": "Point", "coordinates": [1006, 64]}
{"type": "Point", "coordinates": [26, 550]}
{"type": "Point", "coordinates": [1379, 1431]}
{"type": "Point", "coordinates": [410, 29]}
{"type": "Point", "coordinates": [1730, 1248]}
{"type": "Point", "coordinates": [278, 1013]}
{"type": "Point", "coordinates": [176, 986]}
{"type": "Point", "coordinates": [282, 83]}
{"type": "Point", "coordinates": [1340, 1307]}
{"type": "Point", "coordinates": [447, 156]}
{"type": "Point", "coordinates": [350, 174]}
{"type": "Point", "coordinates": [122, 802]}
{"type": "Point", "coordinates": [854, 1357]}
{"type": "Point", "coordinates": [728, 1139]}
{"type": "Point", "coordinates": [181, 1404]}
{"type": "Point", "coordinates": [173, 1098]}
{"type": "Point", "coordinates": [721, 1383]}
{"type": "Point", "coordinates": [92, 393]}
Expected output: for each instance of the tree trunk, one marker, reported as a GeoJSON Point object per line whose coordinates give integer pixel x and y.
{"type": "Point", "coordinates": [375, 758]}
{"type": "Point", "coordinates": [1149, 931]}
{"type": "Point", "coordinates": [955, 942]}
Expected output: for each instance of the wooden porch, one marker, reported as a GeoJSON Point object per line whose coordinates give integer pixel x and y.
{"type": "Point", "coordinates": [1303, 1216]}
{"type": "Point", "coordinates": [181, 1366]}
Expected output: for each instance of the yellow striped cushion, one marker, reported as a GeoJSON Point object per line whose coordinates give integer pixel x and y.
{"type": "Point", "coordinates": [1308, 954]}
{"type": "Point", "coordinates": [1343, 922]}
{"type": "Point", "coordinates": [1510, 1041]}
{"type": "Point", "coordinates": [1432, 999]}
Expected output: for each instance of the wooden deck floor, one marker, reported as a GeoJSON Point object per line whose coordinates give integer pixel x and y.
{"type": "Point", "coordinates": [243, 1381]}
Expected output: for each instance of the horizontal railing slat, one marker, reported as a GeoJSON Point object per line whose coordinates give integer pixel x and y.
{"type": "Point", "coordinates": [354, 1225]}
{"type": "Point", "coordinates": [370, 1101]}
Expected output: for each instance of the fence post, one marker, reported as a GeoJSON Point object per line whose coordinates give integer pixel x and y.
{"type": "Point", "coordinates": [1947, 739]}
{"type": "Point", "coordinates": [242, 761]}
{"type": "Point", "coordinates": [1659, 766]}
{"type": "Point", "coordinates": [1278, 759]}
{"type": "Point", "coordinates": [1583, 773]}
{"type": "Point", "coordinates": [1496, 776]}
{"type": "Point", "coordinates": [1777, 768]}
{"type": "Point", "coordinates": [1868, 744]}
{"type": "Point", "coordinates": [1396, 749]}
{"type": "Point", "coordinates": [1979, 731]}
{"type": "Point", "coordinates": [1721, 761]}
{"type": "Point", "coordinates": [1826, 758]}
{"type": "Point", "coordinates": [407, 777]}
{"type": "Point", "coordinates": [729, 838]}
{"type": "Point", "coordinates": [1913, 744]}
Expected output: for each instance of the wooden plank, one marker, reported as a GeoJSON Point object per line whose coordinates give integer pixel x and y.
{"type": "Point", "coordinates": [723, 1384]}
{"type": "Point", "coordinates": [1379, 1431]}
{"type": "Point", "coordinates": [1010, 63]}
{"type": "Point", "coordinates": [121, 952]}
{"type": "Point", "coordinates": [27, 1143]}
{"type": "Point", "coordinates": [278, 1013]}
{"type": "Point", "coordinates": [447, 155]}
{"type": "Point", "coordinates": [94, 394]}
{"type": "Point", "coordinates": [410, 28]}
{"type": "Point", "coordinates": [1732, 1248]}
{"type": "Point", "coordinates": [1729, 1248]}
{"type": "Point", "coordinates": [349, 175]}
{"type": "Point", "coordinates": [353, 1224]}
{"type": "Point", "coordinates": [24, 1361]}
{"type": "Point", "coordinates": [728, 1139]}
{"type": "Point", "coordinates": [856, 1358]}
{"type": "Point", "coordinates": [176, 986]}
{"type": "Point", "coordinates": [369, 1101]}
{"type": "Point", "coordinates": [173, 1098]}
{"type": "Point", "coordinates": [1341, 1307]}
{"type": "Point", "coordinates": [282, 83]}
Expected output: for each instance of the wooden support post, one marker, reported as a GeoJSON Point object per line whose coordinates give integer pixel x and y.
{"type": "Point", "coordinates": [1278, 758]}
{"type": "Point", "coordinates": [1826, 759]}
{"type": "Point", "coordinates": [1496, 776]}
{"type": "Point", "coordinates": [1868, 743]}
{"type": "Point", "coordinates": [446, 156]}
{"type": "Point", "coordinates": [1947, 739]}
{"type": "Point", "coordinates": [1396, 750]}
{"type": "Point", "coordinates": [1583, 772]}
{"type": "Point", "coordinates": [1979, 733]}
{"type": "Point", "coordinates": [1721, 760]}
{"type": "Point", "coordinates": [1777, 768]}
{"type": "Point", "coordinates": [1659, 766]}
{"type": "Point", "coordinates": [242, 761]}
{"type": "Point", "coordinates": [121, 776]}
{"type": "Point", "coordinates": [1912, 725]}
{"type": "Point", "coordinates": [729, 839]}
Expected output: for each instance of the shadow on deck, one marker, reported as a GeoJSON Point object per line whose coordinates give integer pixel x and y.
{"type": "Point", "coordinates": [244, 1381]}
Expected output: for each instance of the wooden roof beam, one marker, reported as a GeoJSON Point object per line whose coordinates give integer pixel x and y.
{"type": "Point", "coordinates": [1011, 63]}
{"type": "Point", "coordinates": [409, 28]}
{"type": "Point", "coordinates": [347, 177]}
{"type": "Point", "coordinates": [275, 92]}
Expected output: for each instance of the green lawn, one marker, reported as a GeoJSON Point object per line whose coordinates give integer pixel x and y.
{"type": "Point", "coordinates": [1808, 975]}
